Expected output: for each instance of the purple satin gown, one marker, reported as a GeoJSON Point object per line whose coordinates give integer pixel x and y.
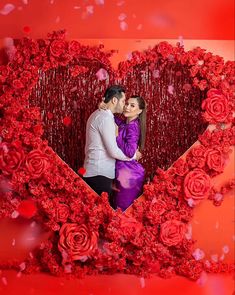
{"type": "Point", "coordinates": [129, 178]}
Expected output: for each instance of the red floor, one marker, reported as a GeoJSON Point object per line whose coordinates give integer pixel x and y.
{"type": "Point", "coordinates": [115, 285]}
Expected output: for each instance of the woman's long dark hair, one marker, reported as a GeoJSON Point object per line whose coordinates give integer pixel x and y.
{"type": "Point", "coordinates": [142, 118]}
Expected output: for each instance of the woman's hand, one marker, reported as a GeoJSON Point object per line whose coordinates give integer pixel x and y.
{"type": "Point", "coordinates": [102, 106]}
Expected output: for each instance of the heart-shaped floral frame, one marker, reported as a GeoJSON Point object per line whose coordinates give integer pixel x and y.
{"type": "Point", "coordinates": [88, 236]}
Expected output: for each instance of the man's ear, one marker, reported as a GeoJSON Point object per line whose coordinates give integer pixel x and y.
{"type": "Point", "coordinates": [114, 100]}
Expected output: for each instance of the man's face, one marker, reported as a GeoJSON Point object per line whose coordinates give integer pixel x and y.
{"type": "Point", "coordinates": [120, 104]}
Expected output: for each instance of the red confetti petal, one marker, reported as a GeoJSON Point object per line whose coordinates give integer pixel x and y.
{"type": "Point", "coordinates": [26, 29]}
{"type": "Point", "coordinates": [27, 208]}
{"type": "Point", "coordinates": [49, 116]}
{"type": "Point", "coordinates": [81, 171]}
{"type": "Point", "coordinates": [67, 121]}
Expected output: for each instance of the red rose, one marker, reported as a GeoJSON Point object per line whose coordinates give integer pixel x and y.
{"type": "Point", "coordinates": [130, 223]}
{"type": "Point", "coordinates": [25, 76]}
{"type": "Point", "coordinates": [62, 212]}
{"type": "Point", "coordinates": [159, 206]}
{"type": "Point", "coordinates": [196, 185]}
{"type": "Point", "coordinates": [17, 84]}
{"type": "Point", "coordinates": [172, 232]}
{"type": "Point", "coordinates": [215, 160]}
{"type": "Point", "coordinates": [76, 70]}
{"type": "Point", "coordinates": [58, 47]}
{"type": "Point", "coordinates": [165, 49]}
{"type": "Point", "coordinates": [198, 151]}
{"type": "Point", "coordinates": [4, 73]}
{"type": "Point", "coordinates": [77, 241]}
{"type": "Point", "coordinates": [36, 163]}
{"type": "Point", "coordinates": [155, 210]}
{"type": "Point", "coordinates": [217, 107]}
{"type": "Point", "coordinates": [181, 167]}
{"type": "Point", "coordinates": [202, 85]}
{"type": "Point", "coordinates": [11, 158]}
{"type": "Point", "coordinates": [74, 47]}
{"type": "Point", "coordinates": [196, 157]}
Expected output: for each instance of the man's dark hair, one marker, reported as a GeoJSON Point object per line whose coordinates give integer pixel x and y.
{"type": "Point", "coordinates": [114, 90]}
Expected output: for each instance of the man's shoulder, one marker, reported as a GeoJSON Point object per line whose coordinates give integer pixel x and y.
{"type": "Point", "coordinates": [101, 115]}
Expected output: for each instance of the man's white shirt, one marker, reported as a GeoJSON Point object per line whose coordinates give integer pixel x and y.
{"type": "Point", "coordinates": [101, 148]}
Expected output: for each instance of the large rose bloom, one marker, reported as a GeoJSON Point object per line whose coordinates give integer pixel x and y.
{"type": "Point", "coordinates": [172, 232]}
{"type": "Point", "coordinates": [196, 184]}
{"type": "Point", "coordinates": [10, 158]}
{"type": "Point", "coordinates": [36, 163]}
{"type": "Point", "coordinates": [58, 47]}
{"type": "Point", "coordinates": [77, 241]}
{"type": "Point", "coordinates": [216, 106]}
{"type": "Point", "coordinates": [215, 160]}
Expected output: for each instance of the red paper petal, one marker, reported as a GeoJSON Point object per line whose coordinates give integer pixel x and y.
{"type": "Point", "coordinates": [27, 208]}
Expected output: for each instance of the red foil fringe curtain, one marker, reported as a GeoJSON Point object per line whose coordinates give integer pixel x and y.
{"type": "Point", "coordinates": [61, 96]}
{"type": "Point", "coordinates": [174, 117]}
{"type": "Point", "coordinates": [173, 110]}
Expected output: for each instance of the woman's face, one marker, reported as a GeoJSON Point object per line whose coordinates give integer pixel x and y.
{"type": "Point", "coordinates": [131, 109]}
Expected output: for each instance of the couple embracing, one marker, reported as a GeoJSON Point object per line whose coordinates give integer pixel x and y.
{"type": "Point", "coordinates": [114, 145]}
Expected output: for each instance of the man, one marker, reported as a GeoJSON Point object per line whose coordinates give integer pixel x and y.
{"type": "Point", "coordinates": [101, 148]}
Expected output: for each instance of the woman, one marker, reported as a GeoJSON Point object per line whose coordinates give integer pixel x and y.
{"type": "Point", "coordinates": [129, 178]}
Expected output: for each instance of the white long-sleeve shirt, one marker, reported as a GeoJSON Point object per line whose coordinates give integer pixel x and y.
{"type": "Point", "coordinates": [101, 148]}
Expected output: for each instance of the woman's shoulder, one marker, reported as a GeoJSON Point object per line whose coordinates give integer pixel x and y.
{"type": "Point", "coordinates": [135, 122]}
{"type": "Point", "coordinates": [133, 125]}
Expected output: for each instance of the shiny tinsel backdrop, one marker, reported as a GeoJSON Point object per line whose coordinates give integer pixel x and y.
{"type": "Point", "coordinates": [68, 95]}
{"type": "Point", "coordinates": [47, 90]}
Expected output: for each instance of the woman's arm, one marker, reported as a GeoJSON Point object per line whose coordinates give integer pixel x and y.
{"type": "Point", "coordinates": [131, 140]}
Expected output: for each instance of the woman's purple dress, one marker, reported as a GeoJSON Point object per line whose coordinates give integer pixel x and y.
{"type": "Point", "coordinates": [130, 175]}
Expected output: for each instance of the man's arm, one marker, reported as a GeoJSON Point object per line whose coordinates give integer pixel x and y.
{"type": "Point", "coordinates": [107, 131]}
